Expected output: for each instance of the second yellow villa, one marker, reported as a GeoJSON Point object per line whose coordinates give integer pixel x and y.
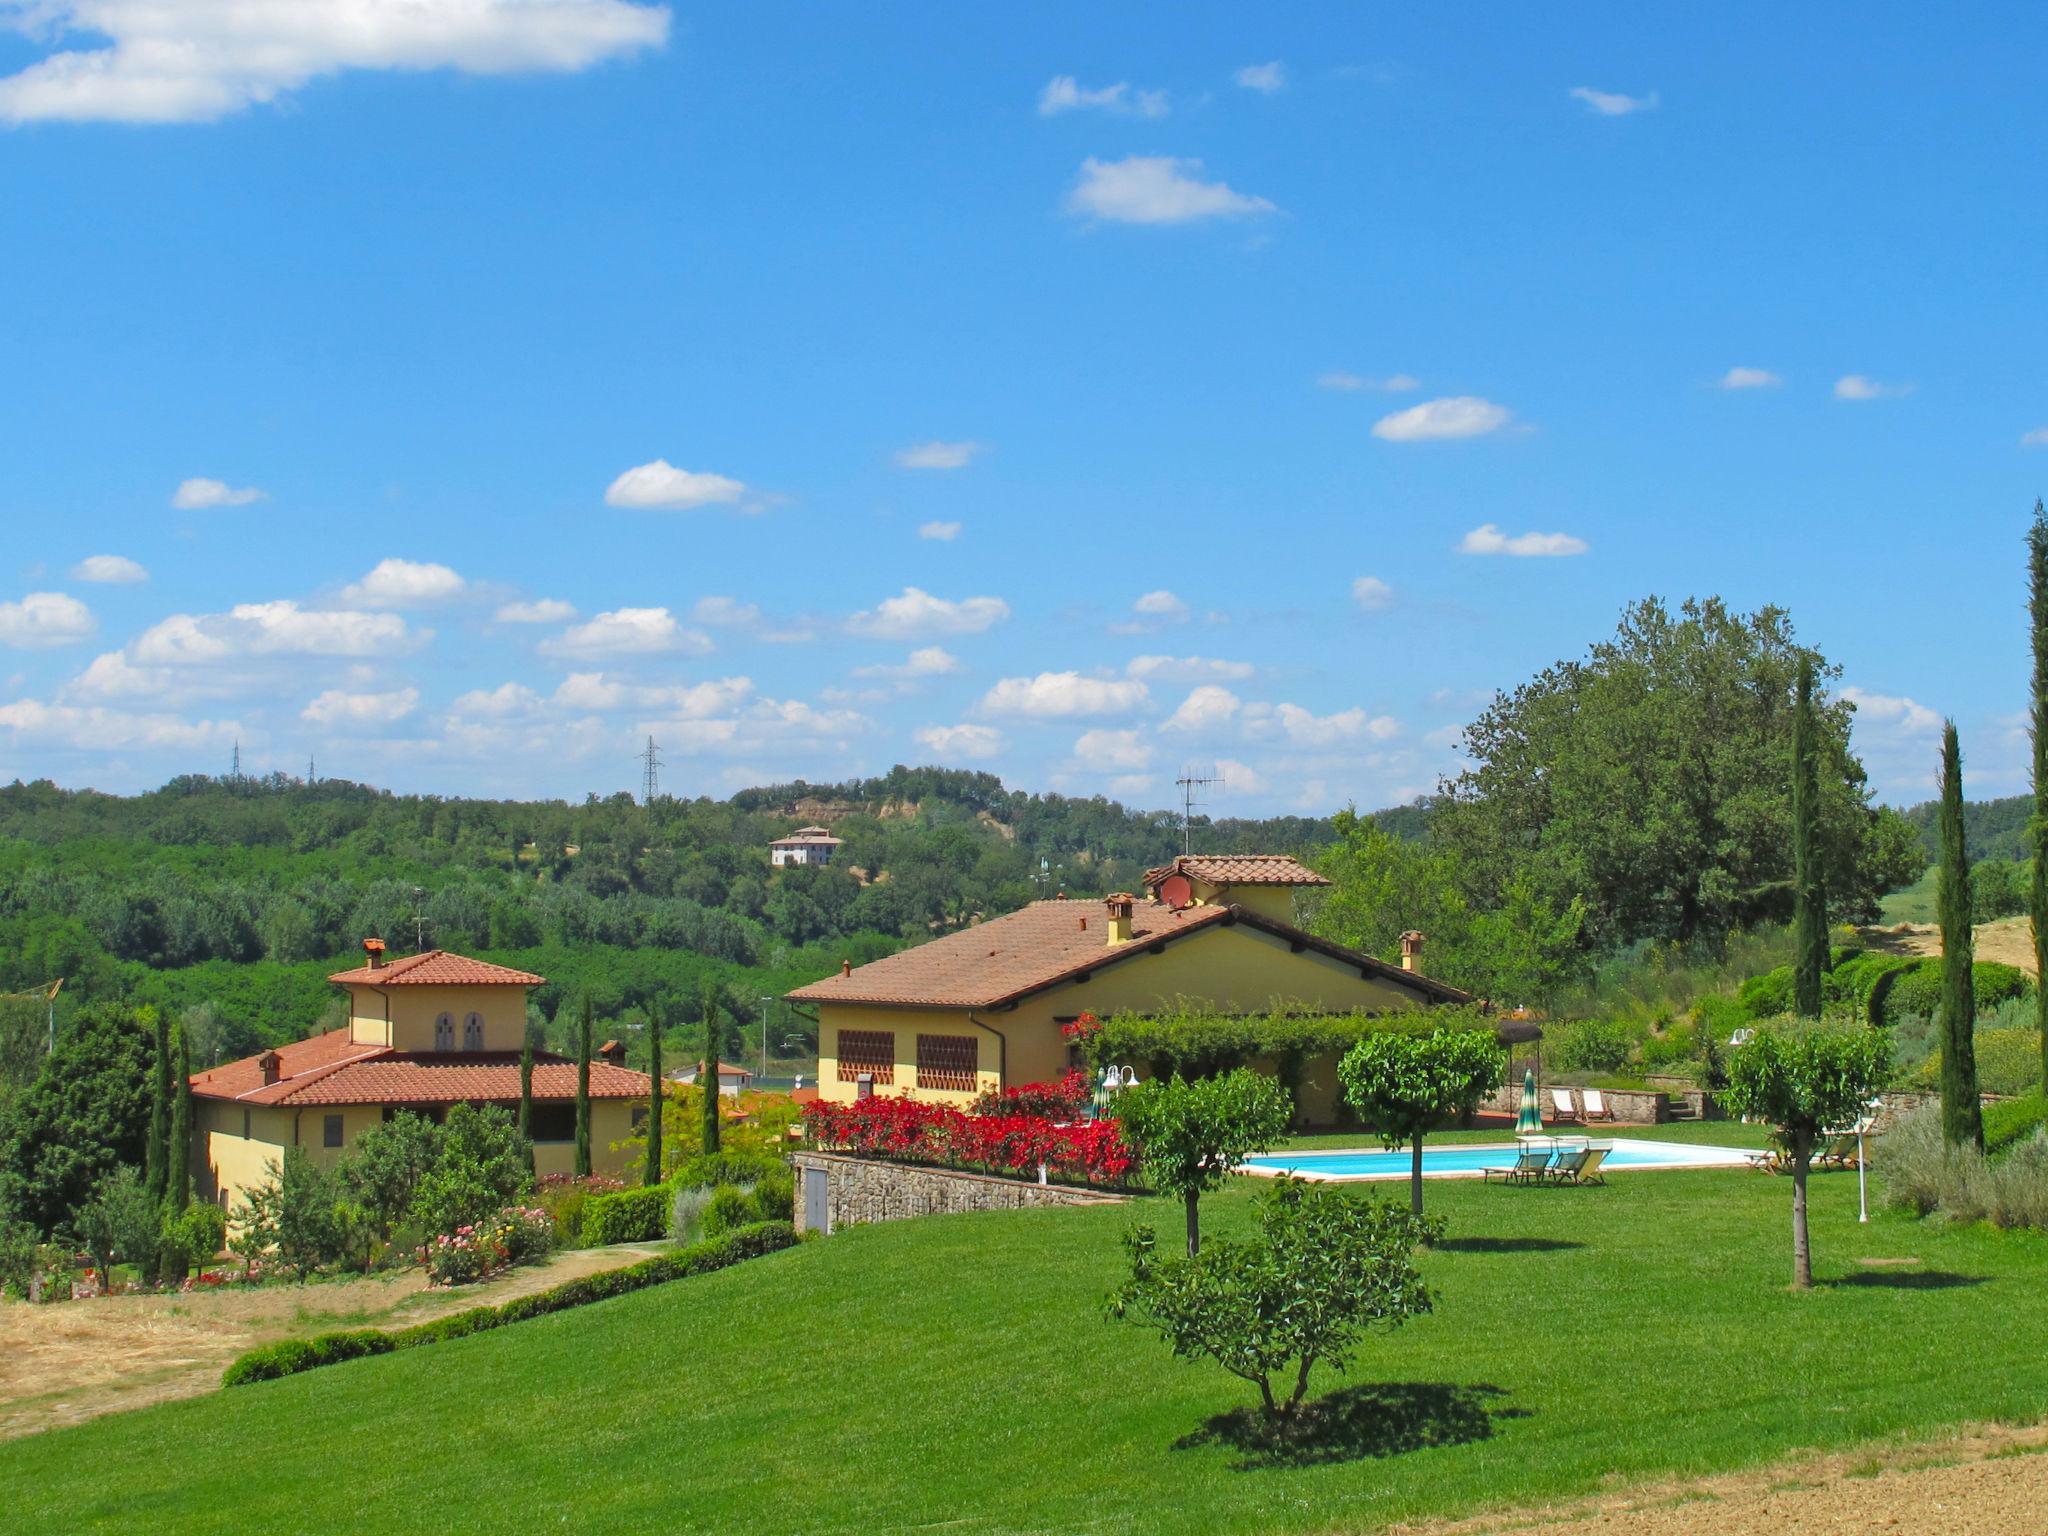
{"type": "Point", "coordinates": [983, 1007]}
{"type": "Point", "coordinates": [424, 1032]}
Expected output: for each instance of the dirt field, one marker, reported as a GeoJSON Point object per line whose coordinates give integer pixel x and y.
{"type": "Point", "coordinates": [1986, 1482]}
{"type": "Point", "coordinates": [60, 1364]}
{"type": "Point", "coordinates": [2009, 941]}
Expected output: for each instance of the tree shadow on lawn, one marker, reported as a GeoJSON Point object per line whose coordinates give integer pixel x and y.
{"type": "Point", "coordinates": [1504, 1245]}
{"type": "Point", "coordinates": [1907, 1280]}
{"type": "Point", "coordinates": [1372, 1419]}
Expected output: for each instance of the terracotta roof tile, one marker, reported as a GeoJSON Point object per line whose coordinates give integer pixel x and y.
{"type": "Point", "coordinates": [1045, 943]}
{"type": "Point", "coordinates": [437, 968]}
{"type": "Point", "coordinates": [1238, 869]}
{"type": "Point", "coordinates": [329, 1069]}
{"type": "Point", "coordinates": [235, 1079]}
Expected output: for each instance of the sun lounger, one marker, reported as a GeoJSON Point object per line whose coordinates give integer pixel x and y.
{"type": "Point", "coordinates": [1588, 1171]}
{"type": "Point", "coordinates": [1530, 1165]}
{"type": "Point", "coordinates": [1592, 1106]}
{"type": "Point", "coordinates": [1561, 1103]}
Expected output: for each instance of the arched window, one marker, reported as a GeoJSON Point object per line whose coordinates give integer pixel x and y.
{"type": "Point", "coordinates": [444, 1032]}
{"type": "Point", "coordinates": [473, 1032]}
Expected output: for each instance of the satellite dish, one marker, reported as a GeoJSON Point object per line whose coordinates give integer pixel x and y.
{"type": "Point", "coordinates": [1177, 891]}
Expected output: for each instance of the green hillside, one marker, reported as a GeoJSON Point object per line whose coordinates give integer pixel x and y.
{"type": "Point", "coordinates": [959, 1372]}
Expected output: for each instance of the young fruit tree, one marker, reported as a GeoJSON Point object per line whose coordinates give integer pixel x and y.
{"type": "Point", "coordinates": [1325, 1267]}
{"type": "Point", "coordinates": [1190, 1135]}
{"type": "Point", "coordinates": [1804, 1079]}
{"type": "Point", "coordinates": [1405, 1084]}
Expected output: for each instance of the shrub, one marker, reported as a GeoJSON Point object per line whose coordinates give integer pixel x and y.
{"type": "Point", "coordinates": [1853, 984]}
{"type": "Point", "coordinates": [1918, 993]}
{"type": "Point", "coordinates": [731, 1208]}
{"type": "Point", "coordinates": [1768, 995]}
{"type": "Point", "coordinates": [17, 1256]}
{"type": "Point", "coordinates": [2008, 1061]}
{"type": "Point", "coordinates": [483, 1165]}
{"type": "Point", "coordinates": [1067, 1099]}
{"type": "Point", "coordinates": [775, 1196]}
{"type": "Point", "coordinates": [283, 1359]}
{"type": "Point", "coordinates": [709, 1169]}
{"type": "Point", "coordinates": [193, 1237]}
{"type": "Point", "coordinates": [910, 1131]}
{"type": "Point", "coordinates": [686, 1212]}
{"type": "Point", "coordinates": [630, 1216]}
{"type": "Point", "coordinates": [2013, 1120]}
{"type": "Point", "coordinates": [1924, 1175]}
{"type": "Point", "coordinates": [516, 1235]}
{"type": "Point", "coordinates": [1589, 1045]}
{"type": "Point", "coordinates": [1719, 1015]}
{"type": "Point", "coordinates": [1677, 1046]}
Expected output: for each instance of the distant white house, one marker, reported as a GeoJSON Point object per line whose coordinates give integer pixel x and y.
{"type": "Point", "coordinates": [732, 1081]}
{"type": "Point", "coordinates": [806, 845]}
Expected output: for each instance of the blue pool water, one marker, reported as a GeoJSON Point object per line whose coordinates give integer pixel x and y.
{"type": "Point", "coordinates": [1439, 1162]}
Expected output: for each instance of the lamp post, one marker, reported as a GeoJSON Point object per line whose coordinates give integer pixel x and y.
{"type": "Point", "coordinates": [766, 1004]}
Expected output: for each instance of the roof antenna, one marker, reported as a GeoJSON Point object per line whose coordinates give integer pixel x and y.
{"type": "Point", "coordinates": [1191, 785]}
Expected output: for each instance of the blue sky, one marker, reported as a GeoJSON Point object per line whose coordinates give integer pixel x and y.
{"type": "Point", "coordinates": [460, 392]}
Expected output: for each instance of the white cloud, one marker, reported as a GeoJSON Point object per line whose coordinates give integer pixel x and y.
{"type": "Point", "coordinates": [1453, 416]}
{"type": "Point", "coordinates": [937, 455]}
{"type": "Point", "coordinates": [540, 610]}
{"type": "Point", "coordinates": [916, 613]}
{"type": "Point", "coordinates": [600, 693]}
{"type": "Point", "coordinates": [1112, 751]}
{"type": "Point", "coordinates": [662, 487]}
{"type": "Point", "coordinates": [45, 619]}
{"type": "Point", "coordinates": [1063, 93]}
{"type": "Point", "coordinates": [1393, 383]}
{"type": "Point", "coordinates": [944, 533]}
{"type": "Point", "coordinates": [198, 493]}
{"type": "Point", "coordinates": [112, 570]}
{"type": "Point", "coordinates": [726, 612]}
{"type": "Point", "coordinates": [396, 583]}
{"type": "Point", "coordinates": [101, 730]}
{"type": "Point", "coordinates": [1186, 669]}
{"type": "Point", "coordinates": [1487, 539]}
{"type": "Point", "coordinates": [1064, 695]}
{"type": "Point", "coordinates": [1445, 737]}
{"type": "Point", "coordinates": [1161, 605]}
{"type": "Point", "coordinates": [961, 741]}
{"type": "Point", "coordinates": [1748, 378]}
{"type": "Point", "coordinates": [505, 699]}
{"type": "Point", "coordinates": [1155, 189]}
{"type": "Point", "coordinates": [280, 628]}
{"type": "Point", "coordinates": [1612, 103]}
{"type": "Point", "coordinates": [1371, 594]}
{"type": "Point", "coordinates": [2038, 438]}
{"type": "Point", "coordinates": [1206, 708]}
{"type": "Point", "coordinates": [926, 661]}
{"type": "Point", "coordinates": [1857, 386]}
{"type": "Point", "coordinates": [627, 631]}
{"type": "Point", "coordinates": [1890, 709]}
{"type": "Point", "coordinates": [198, 60]}
{"type": "Point", "coordinates": [360, 711]}
{"type": "Point", "coordinates": [1302, 728]}
{"type": "Point", "coordinates": [1267, 78]}
{"type": "Point", "coordinates": [1239, 777]}
{"type": "Point", "coordinates": [768, 725]}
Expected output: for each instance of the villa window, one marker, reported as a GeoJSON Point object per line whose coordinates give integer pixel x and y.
{"type": "Point", "coordinates": [444, 1032]}
{"type": "Point", "coordinates": [867, 1050]}
{"type": "Point", "coordinates": [473, 1032]}
{"type": "Point", "coordinates": [553, 1122]}
{"type": "Point", "coordinates": [946, 1062]}
{"type": "Point", "coordinates": [330, 1131]}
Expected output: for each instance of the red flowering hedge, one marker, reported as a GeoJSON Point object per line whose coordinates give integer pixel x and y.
{"type": "Point", "coordinates": [905, 1130]}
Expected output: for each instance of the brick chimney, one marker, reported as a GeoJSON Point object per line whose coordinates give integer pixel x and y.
{"type": "Point", "coordinates": [846, 967]}
{"type": "Point", "coordinates": [1411, 950]}
{"type": "Point", "coordinates": [614, 1052]}
{"type": "Point", "coordinates": [270, 1064]}
{"type": "Point", "coordinates": [374, 948]}
{"type": "Point", "coordinates": [1120, 906]}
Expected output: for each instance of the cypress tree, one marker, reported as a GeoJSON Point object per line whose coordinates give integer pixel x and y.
{"type": "Point", "coordinates": [526, 1094]}
{"type": "Point", "coordinates": [155, 1151]}
{"type": "Point", "coordinates": [1962, 1117]}
{"type": "Point", "coordinates": [1809, 900]}
{"type": "Point", "coordinates": [707, 1076]}
{"type": "Point", "coordinates": [654, 1097]}
{"type": "Point", "coordinates": [583, 1091]}
{"type": "Point", "coordinates": [2037, 827]}
{"type": "Point", "coordinates": [178, 1161]}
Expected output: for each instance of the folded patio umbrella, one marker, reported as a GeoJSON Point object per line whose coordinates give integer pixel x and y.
{"type": "Point", "coordinates": [1530, 1121]}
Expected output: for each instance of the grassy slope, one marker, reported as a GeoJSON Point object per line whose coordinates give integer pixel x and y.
{"type": "Point", "coordinates": [1911, 904]}
{"type": "Point", "coordinates": [960, 1370]}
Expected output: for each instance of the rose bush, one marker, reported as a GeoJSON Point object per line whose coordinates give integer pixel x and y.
{"type": "Point", "coordinates": [906, 1130]}
{"type": "Point", "coordinates": [516, 1235]}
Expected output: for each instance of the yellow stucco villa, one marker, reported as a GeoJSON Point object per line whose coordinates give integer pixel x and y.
{"type": "Point", "coordinates": [983, 1007]}
{"type": "Point", "coordinates": [424, 1032]}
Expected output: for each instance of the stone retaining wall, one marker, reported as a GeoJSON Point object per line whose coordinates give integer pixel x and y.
{"type": "Point", "coordinates": [861, 1189]}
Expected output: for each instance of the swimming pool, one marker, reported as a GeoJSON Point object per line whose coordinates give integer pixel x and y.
{"type": "Point", "coordinates": [1467, 1161]}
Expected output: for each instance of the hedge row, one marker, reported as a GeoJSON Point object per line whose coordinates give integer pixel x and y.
{"type": "Point", "coordinates": [294, 1355]}
{"type": "Point", "coordinates": [1196, 1043]}
{"type": "Point", "coordinates": [1883, 989]}
{"type": "Point", "coordinates": [642, 1215]}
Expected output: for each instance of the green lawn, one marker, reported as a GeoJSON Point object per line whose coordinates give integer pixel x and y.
{"type": "Point", "coordinates": [1910, 904]}
{"type": "Point", "coordinates": [959, 1371]}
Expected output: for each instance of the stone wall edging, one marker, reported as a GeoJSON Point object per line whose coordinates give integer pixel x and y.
{"type": "Point", "coordinates": [859, 1190]}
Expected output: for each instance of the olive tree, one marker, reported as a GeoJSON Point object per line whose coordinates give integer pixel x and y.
{"type": "Point", "coordinates": [1190, 1135]}
{"type": "Point", "coordinates": [1325, 1267]}
{"type": "Point", "coordinates": [1803, 1080]}
{"type": "Point", "coordinates": [1403, 1085]}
